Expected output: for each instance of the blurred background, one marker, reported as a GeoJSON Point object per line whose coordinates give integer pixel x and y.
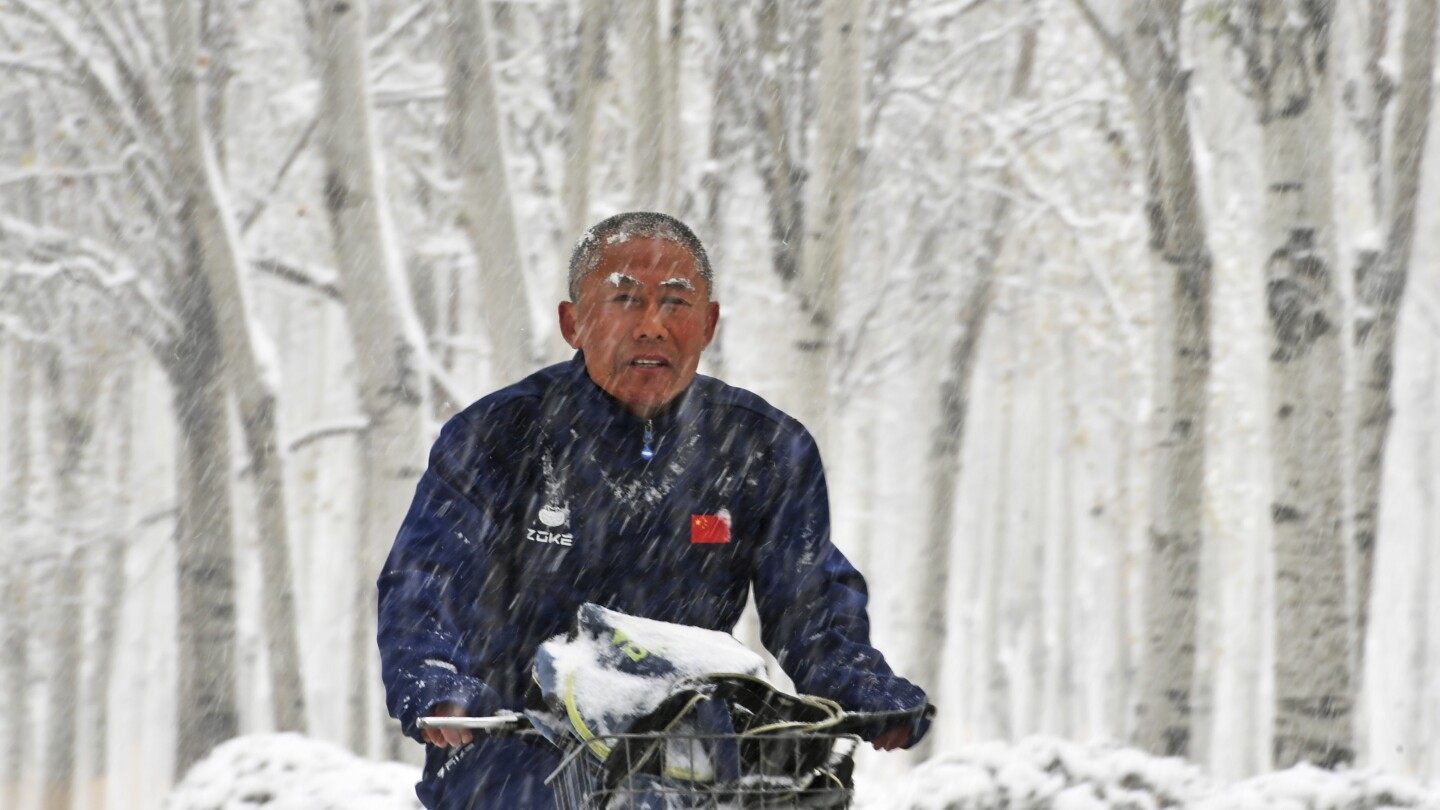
{"type": "Point", "coordinates": [1116, 323]}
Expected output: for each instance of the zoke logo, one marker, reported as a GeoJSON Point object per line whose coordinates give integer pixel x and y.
{"type": "Point", "coordinates": [553, 516]}
{"type": "Point", "coordinates": [553, 538]}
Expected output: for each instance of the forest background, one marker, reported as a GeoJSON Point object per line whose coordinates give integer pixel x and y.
{"type": "Point", "coordinates": [1102, 313]}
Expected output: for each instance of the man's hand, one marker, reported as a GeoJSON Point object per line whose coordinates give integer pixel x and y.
{"type": "Point", "coordinates": [447, 737]}
{"type": "Point", "coordinates": [892, 739]}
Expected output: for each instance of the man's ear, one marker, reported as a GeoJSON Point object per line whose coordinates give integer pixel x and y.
{"type": "Point", "coordinates": [569, 327]}
{"type": "Point", "coordinates": [712, 320]}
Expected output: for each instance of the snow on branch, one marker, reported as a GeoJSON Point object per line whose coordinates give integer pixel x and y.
{"type": "Point", "coordinates": [44, 254]}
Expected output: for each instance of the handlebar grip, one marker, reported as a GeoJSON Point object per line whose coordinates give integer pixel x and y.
{"type": "Point", "coordinates": [498, 726]}
{"type": "Point", "coordinates": [874, 722]}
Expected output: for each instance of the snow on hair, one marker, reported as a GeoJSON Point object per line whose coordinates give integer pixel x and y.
{"type": "Point", "coordinates": [621, 227]}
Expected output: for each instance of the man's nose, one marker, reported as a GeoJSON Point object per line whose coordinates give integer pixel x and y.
{"type": "Point", "coordinates": [651, 325]}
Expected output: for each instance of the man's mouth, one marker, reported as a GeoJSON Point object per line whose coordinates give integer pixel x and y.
{"type": "Point", "coordinates": [649, 362]}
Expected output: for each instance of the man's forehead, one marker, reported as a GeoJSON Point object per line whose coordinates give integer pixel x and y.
{"type": "Point", "coordinates": [641, 260]}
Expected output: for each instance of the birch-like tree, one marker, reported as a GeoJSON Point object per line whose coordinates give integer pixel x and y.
{"type": "Point", "coordinates": [589, 73]}
{"type": "Point", "coordinates": [1286, 49]}
{"type": "Point", "coordinates": [831, 192]}
{"type": "Point", "coordinates": [948, 434]}
{"type": "Point", "coordinates": [487, 212]}
{"type": "Point", "coordinates": [15, 644]}
{"type": "Point", "coordinates": [70, 413]}
{"type": "Point", "coordinates": [651, 158]}
{"type": "Point", "coordinates": [1178, 239]}
{"type": "Point", "coordinates": [1381, 272]}
{"type": "Point", "coordinates": [1157, 85]}
{"type": "Point", "coordinates": [390, 356]}
{"type": "Point", "coordinates": [248, 357]}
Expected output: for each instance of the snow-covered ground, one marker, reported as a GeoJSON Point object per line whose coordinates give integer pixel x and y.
{"type": "Point", "coordinates": [289, 772]}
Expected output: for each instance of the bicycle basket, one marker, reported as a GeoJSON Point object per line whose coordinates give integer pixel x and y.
{"type": "Point", "coordinates": [669, 771]}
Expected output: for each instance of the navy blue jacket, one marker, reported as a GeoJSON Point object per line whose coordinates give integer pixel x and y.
{"type": "Point", "coordinates": [537, 499]}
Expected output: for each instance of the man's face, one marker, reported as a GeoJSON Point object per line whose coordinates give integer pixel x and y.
{"type": "Point", "coordinates": [642, 318]}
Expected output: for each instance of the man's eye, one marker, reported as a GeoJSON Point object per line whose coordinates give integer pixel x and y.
{"type": "Point", "coordinates": [624, 298]}
{"type": "Point", "coordinates": [674, 301]}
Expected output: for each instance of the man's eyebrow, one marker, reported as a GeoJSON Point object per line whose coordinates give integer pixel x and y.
{"type": "Point", "coordinates": [682, 283]}
{"type": "Point", "coordinates": [616, 279]}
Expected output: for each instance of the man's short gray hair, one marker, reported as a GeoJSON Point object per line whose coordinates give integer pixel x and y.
{"type": "Point", "coordinates": [586, 255]}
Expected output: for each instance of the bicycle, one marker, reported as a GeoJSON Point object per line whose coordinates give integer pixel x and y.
{"type": "Point", "coordinates": [780, 769]}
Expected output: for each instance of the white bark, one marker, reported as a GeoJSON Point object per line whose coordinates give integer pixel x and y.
{"type": "Point", "coordinates": [831, 192]}
{"type": "Point", "coordinates": [779, 167]}
{"type": "Point", "coordinates": [589, 72]}
{"type": "Point", "coordinates": [999, 629]}
{"type": "Point", "coordinates": [1288, 42]}
{"type": "Point", "coordinates": [488, 212]}
{"type": "Point", "coordinates": [1178, 241]}
{"type": "Point", "coordinates": [947, 438]}
{"type": "Point", "coordinates": [248, 359]}
{"type": "Point", "coordinates": [389, 344]}
{"type": "Point", "coordinates": [205, 534]}
{"type": "Point", "coordinates": [652, 179]}
{"type": "Point", "coordinates": [1379, 290]}
{"type": "Point", "coordinates": [14, 645]}
{"type": "Point", "coordinates": [1421, 663]}
{"type": "Point", "coordinates": [108, 569]}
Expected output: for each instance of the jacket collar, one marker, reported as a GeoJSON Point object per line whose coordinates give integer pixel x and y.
{"type": "Point", "coordinates": [593, 405]}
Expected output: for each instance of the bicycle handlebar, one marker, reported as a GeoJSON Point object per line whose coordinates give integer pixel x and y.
{"type": "Point", "coordinates": [510, 723]}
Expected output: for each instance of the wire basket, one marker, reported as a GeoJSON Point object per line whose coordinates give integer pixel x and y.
{"type": "Point", "coordinates": [665, 771]}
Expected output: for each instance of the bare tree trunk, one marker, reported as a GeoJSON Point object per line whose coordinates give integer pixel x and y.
{"type": "Point", "coordinates": [999, 686]}
{"type": "Point", "coordinates": [389, 345]}
{"type": "Point", "coordinates": [831, 190]}
{"type": "Point", "coordinates": [947, 438]}
{"type": "Point", "coordinates": [64, 589]}
{"type": "Point", "coordinates": [217, 32]}
{"type": "Point", "coordinates": [1379, 290]}
{"type": "Point", "coordinates": [1423, 666]}
{"type": "Point", "coordinates": [1178, 238]}
{"type": "Point", "coordinates": [646, 99]}
{"type": "Point", "coordinates": [488, 213]}
{"type": "Point", "coordinates": [248, 360]}
{"type": "Point", "coordinates": [1287, 43]}
{"type": "Point", "coordinates": [71, 414]}
{"type": "Point", "coordinates": [779, 168]}
{"type": "Point", "coordinates": [108, 568]}
{"type": "Point", "coordinates": [673, 194]}
{"type": "Point", "coordinates": [17, 618]}
{"type": "Point", "coordinates": [208, 712]}
{"type": "Point", "coordinates": [589, 73]}
{"type": "Point", "coordinates": [723, 111]}
{"type": "Point", "coordinates": [1068, 616]}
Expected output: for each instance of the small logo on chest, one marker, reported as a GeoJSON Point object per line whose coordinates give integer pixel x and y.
{"type": "Point", "coordinates": [554, 517]}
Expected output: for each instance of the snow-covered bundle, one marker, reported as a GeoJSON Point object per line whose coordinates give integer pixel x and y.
{"type": "Point", "coordinates": [614, 668]}
{"type": "Point", "coordinates": [292, 772]}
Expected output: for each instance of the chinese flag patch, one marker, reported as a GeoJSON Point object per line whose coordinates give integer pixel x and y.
{"type": "Point", "coordinates": [710, 528]}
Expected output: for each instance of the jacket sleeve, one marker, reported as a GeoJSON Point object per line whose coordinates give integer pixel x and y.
{"type": "Point", "coordinates": [812, 601]}
{"type": "Point", "coordinates": [427, 591]}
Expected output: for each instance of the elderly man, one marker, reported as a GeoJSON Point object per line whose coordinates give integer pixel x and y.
{"type": "Point", "coordinates": [625, 479]}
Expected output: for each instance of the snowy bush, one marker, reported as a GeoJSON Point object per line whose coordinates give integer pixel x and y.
{"type": "Point", "coordinates": [291, 772]}
{"type": "Point", "coordinates": [1049, 774]}
{"type": "Point", "coordinates": [1308, 788]}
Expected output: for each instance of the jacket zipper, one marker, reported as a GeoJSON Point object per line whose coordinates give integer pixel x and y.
{"type": "Point", "coordinates": [648, 451]}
